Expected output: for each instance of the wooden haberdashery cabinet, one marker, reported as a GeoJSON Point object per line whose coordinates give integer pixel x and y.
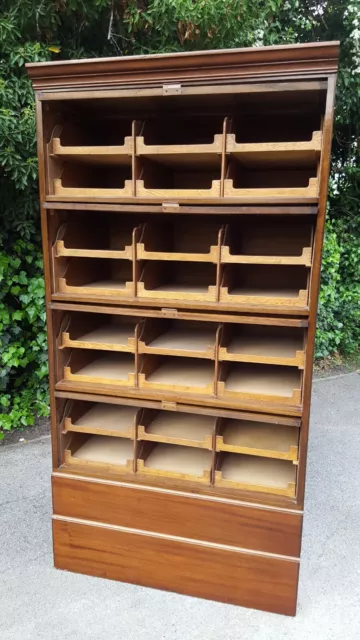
{"type": "Point", "coordinates": [182, 203]}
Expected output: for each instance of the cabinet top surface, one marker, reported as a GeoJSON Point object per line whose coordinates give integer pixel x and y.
{"type": "Point", "coordinates": [306, 60]}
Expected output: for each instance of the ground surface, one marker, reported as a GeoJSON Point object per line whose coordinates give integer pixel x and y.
{"type": "Point", "coordinates": [39, 603]}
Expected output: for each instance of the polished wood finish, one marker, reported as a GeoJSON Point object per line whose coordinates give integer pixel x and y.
{"type": "Point", "coordinates": [180, 348]}
{"type": "Point", "coordinates": [257, 528]}
{"type": "Point", "coordinates": [173, 564]}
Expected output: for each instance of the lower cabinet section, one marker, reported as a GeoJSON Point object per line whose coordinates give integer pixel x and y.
{"type": "Point", "coordinates": [179, 513]}
{"type": "Point", "coordinates": [175, 564]}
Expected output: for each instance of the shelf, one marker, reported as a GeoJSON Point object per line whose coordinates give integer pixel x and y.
{"type": "Point", "coordinates": [297, 153]}
{"type": "Point", "coordinates": [83, 276]}
{"type": "Point", "coordinates": [89, 239]}
{"type": "Point", "coordinates": [258, 439]}
{"type": "Point", "coordinates": [98, 155]}
{"type": "Point", "coordinates": [267, 345]}
{"type": "Point", "coordinates": [176, 155]}
{"type": "Point", "coordinates": [107, 454]}
{"type": "Point", "coordinates": [106, 420]}
{"type": "Point", "coordinates": [182, 140]}
{"type": "Point", "coordinates": [189, 430]}
{"type": "Point", "coordinates": [260, 242]}
{"type": "Point", "coordinates": [260, 382]}
{"type": "Point", "coordinates": [249, 473]}
{"type": "Point", "coordinates": [269, 182]}
{"type": "Point", "coordinates": [180, 241]}
{"type": "Point", "coordinates": [112, 368]}
{"type": "Point", "coordinates": [178, 338]}
{"type": "Point", "coordinates": [178, 281]}
{"type": "Point", "coordinates": [156, 180]}
{"type": "Point", "coordinates": [275, 285]}
{"type": "Point", "coordinates": [177, 374]}
{"type": "Point", "coordinates": [183, 463]}
{"type": "Point", "coordinates": [92, 143]}
{"type": "Point", "coordinates": [114, 336]}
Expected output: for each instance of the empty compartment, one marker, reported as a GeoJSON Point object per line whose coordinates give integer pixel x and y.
{"type": "Point", "coordinates": [180, 181]}
{"type": "Point", "coordinates": [178, 338]}
{"type": "Point", "coordinates": [187, 375]}
{"type": "Point", "coordinates": [178, 281]}
{"type": "Point", "coordinates": [270, 285]}
{"type": "Point", "coordinates": [90, 236]}
{"type": "Point", "coordinates": [264, 241]}
{"type": "Point", "coordinates": [179, 240]}
{"type": "Point", "coordinates": [250, 473]}
{"type": "Point", "coordinates": [84, 276]}
{"type": "Point", "coordinates": [243, 180]}
{"type": "Point", "coordinates": [258, 439]}
{"type": "Point", "coordinates": [101, 141]}
{"type": "Point", "coordinates": [182, 463]}
{"type": "Point", "coordinates": [283, 122]}
{"type": "Point", "coordinates": [182, 140]}
{"type": "Point", "coordinates": [98, 331]}
{"type": "Point", "coordinates": [81, 181]}
{"type": "Point", "coordinates": [275, 139]}
{"type": "Point", "coordinates": [263, 344]}
{"type": "Point", "coordinates": [101, 419]}
{"type": "Point", "coordinates": [186, 429]}
{"type": "Point", "coordinates": [90, 367]}
{"type": "Point", "coordinates": [102, 452]}
{"type": "Point", "coordinates": [261, 382]}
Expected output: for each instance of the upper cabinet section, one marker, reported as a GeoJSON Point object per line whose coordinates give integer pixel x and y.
{"type": "Point", "coordinates": [211, 128]}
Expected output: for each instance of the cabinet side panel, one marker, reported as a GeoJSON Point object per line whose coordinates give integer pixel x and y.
{"type": "Point", "coordinates": [315, 284]}
{"type": "Point", "coordinates": [46, 248]}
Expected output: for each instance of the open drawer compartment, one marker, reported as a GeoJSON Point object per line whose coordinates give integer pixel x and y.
{"type": "Point", "coordinates": [282, 241]}
{"type": "Point", "coordinates": [104, 142]}
{"type": "Point", "coordinates": [260, 382]}
{"type": "Point", "coordinates": [81, 181]}
{"type": "Point", "coordinates": [178, 375]}
{"type": "Point", "coordinates": [178, 281]}
{"type": "Point", "coordinates": [84, 276]}
{"type": "Point", "coordinates": [93, 368]}
{"type": "Point", "coordinates": [171, 461]}
{"type": "Point", "coordinates": [263, 344]}
{"type": "Point", "coordinates": [262, 181]}
{"type": "Point", "coordinates": [184, 429]}
{"type": "Point", "coordinates": [100, 452]}
{"type": "Point", "coordinates": [270, 285]}
{"type": "Point", "coordinates": [251, 473]}
{"type": "Point", "coordinates": [186, 338]}
{"type": "Point", "coordinates": [87, 237]}
{"type": "Point", "coordinates": [98, 418]}
{"type": "Point", "coordinates": [189, 140]}
{"type": "Point", "coordinates": [97, 331]}
{"type": "Point", "coordinates": [274, 152]}
{"type": "Point", "coordinates": [163, 181]}
{"type": "Point", "coordinates": [257, 439]}
{"type": "Point", "coordinates": [181, 241]}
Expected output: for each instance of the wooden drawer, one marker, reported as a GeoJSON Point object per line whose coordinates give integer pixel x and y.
{"type": "Point", "coordinates": [205, 571]}
{"type": "Point", "coordinates": [236, 524]}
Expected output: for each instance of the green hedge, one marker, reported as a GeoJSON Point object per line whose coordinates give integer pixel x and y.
{"type": "Point", "coordinates": [35, 31]}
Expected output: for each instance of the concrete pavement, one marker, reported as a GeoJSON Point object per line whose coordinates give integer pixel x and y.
{"type": "Point", "coordinates": [39, 603]}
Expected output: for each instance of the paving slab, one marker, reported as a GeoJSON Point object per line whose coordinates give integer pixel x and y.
{"type": "Point", "coordinates": [38, 602]}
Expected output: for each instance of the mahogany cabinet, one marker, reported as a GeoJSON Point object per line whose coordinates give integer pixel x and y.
{"type": "Point", "coordinates": [182, 204]}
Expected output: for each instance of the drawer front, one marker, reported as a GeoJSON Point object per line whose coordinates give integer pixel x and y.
{"type": "Point", "coordinates": [231, 576]}
{"type": "Point", "coordinates": [186, 516]}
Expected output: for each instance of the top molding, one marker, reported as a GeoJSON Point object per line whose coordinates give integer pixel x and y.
{"type": "Point", "coordinates": [314, 60]}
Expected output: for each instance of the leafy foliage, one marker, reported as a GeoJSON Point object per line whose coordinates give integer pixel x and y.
{"type": "Point", "coordinates": [37, 30]}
